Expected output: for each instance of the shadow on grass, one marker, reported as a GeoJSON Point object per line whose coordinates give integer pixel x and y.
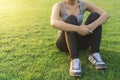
{"type": "Point", "coordinates": [111, 58]}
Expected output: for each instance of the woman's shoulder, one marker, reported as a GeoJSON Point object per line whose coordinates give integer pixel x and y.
{"type": "Point", "coordinates": [58, 4]}
{"type": "Point", "coordinates": [85, 3]}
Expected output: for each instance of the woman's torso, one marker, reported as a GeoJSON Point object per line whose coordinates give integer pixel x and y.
{"type": "Point", "coordinates": [79, 16]}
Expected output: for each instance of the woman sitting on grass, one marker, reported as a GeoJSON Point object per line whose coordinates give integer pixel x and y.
{"type": "Point", "coordinates": [67, 16]}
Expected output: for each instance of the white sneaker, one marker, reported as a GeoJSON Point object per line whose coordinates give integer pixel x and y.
{"type": "Point", "coordinates": [97, 61]}
{"type": "Point", "coordinates": [75, 68]}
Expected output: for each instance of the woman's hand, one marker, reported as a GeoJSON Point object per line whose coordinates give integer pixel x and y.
{"type": "Point", "coordinates": [90, 28]}
{"type": "Point", "coordinates": [83, 30]}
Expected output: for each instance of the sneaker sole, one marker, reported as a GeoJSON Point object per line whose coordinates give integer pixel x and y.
{"type": "Point", "coordinates": [98, 68]}
{"type": "Point", "coordinates": [76, 74]}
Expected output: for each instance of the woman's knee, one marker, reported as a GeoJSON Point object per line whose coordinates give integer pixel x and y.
{"type": "Point", "coordinates": [72, 20]}
{"type": "Point", "coordinates": [94, 16]}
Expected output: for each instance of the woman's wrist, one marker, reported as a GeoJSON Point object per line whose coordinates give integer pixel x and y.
{"type": "Point", "coordinates": [90, 27]}
{"type": "Point", "coordinates": [76, 28]}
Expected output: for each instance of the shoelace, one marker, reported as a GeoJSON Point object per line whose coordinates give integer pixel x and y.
{"type": "Point", "coordinates": [97, 56]}
{"type": "Point", "coordinates": [76, 64]}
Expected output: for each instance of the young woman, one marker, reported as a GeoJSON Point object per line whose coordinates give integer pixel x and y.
{"type": "Point", "coordinates": [67, 17]}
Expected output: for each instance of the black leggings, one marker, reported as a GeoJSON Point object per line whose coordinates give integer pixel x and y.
{"type": "Point", "coordinates": [72, 42]}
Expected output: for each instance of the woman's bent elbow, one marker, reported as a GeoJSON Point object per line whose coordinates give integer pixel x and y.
{"type": "Point", "coordinates": [53, 24]}
{"type": "Point", "coordinates": [107, 15]}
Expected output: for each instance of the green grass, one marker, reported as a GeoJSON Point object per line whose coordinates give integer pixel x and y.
{"type": "Point", "coordinates": [27, 43]}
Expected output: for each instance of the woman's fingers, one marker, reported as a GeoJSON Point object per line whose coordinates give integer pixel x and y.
{"type": "Point", "coordinates": [84, 31]}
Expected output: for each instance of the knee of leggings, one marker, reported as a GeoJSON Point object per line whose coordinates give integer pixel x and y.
{"type": "Point", "coordinates": [71, 17]}
{"type": "Point", "coordinates": [95, 15]}
{"type": "Point", "coordinates": [72, 20]}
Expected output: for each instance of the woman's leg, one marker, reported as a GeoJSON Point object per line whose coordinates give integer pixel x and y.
{"type": "Point", "coordinates": [68, 40]}
{"type": "Point", "coordinates": [95, 37]}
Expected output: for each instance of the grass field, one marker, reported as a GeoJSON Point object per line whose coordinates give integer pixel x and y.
{"type": "Point", "coordinates": [27, 43]}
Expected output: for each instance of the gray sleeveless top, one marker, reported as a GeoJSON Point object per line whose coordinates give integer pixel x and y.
{"type": "Point", "coordinates": [79, 17]}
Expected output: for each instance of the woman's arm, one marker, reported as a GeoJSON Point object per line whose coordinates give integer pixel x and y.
{"type": "Point", "coordinates": [61, 25]}
{"type": "Point", "coordinates": [93, 8]}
